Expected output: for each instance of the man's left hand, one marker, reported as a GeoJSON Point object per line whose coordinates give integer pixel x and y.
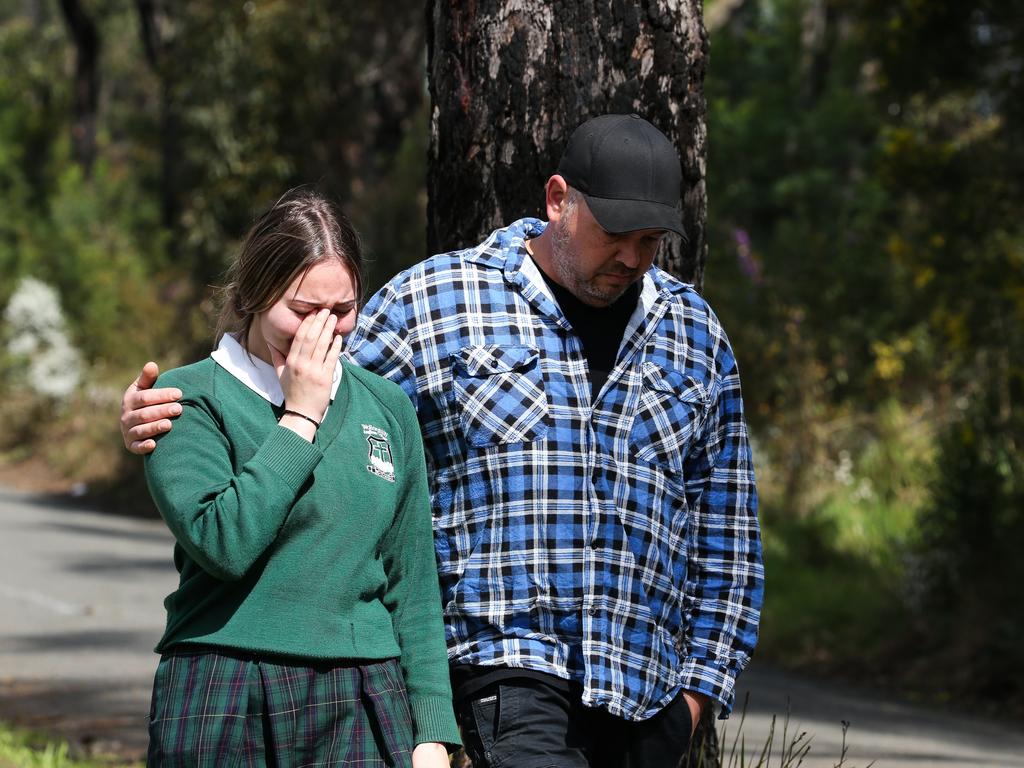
{"type": "Point", "coordinates": [696, 702]}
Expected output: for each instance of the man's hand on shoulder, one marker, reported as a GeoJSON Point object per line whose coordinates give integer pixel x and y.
{"type": "Point", "coordinates": [147, 412]}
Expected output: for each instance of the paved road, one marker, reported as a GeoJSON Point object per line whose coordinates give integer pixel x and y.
{"type": "Point", "coordinates": [80, 610]}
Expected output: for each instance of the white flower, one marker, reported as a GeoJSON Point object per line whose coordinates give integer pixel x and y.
{"type": "Point", "coordinates": [37, 332]}
{"type": "Point", "coordinates": [844, 469]}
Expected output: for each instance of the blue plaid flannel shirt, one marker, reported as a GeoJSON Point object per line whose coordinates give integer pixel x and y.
{"type": "Point", "coordinates": [614, 542]}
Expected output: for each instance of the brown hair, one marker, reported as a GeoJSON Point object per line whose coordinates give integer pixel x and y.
{"type": "Point", "coordinates": [302, 229]}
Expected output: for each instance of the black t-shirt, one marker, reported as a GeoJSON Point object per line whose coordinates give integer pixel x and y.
{"type": "Point", "coordinates": [599, 328]}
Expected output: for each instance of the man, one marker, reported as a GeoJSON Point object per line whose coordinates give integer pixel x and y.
{"type": "Point", "coordinates": [595, 513]}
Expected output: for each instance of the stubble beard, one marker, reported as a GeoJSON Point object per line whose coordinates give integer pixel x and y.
{"type": "Point", "coordinates": [565, 260]}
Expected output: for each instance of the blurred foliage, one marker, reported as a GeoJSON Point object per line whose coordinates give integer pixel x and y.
{"type": "Point", "coordinates": [203, 121]}
{"type": "Point", "coordinates": [967, 564]}
{"type": "Point", "coordinates": [243, 122]}
{"type": "Point", "coordinates": [207, 113]}
{"type": "Point", "coordinates": [866, 163]}
{"type": "Point", "coordinates": [23, 748]}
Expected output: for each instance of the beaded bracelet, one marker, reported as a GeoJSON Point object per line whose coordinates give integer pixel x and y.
{"type": "Point", "coordinates": [314, 422]}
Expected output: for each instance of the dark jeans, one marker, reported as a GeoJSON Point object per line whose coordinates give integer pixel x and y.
{"type": "Point", "coordinates": [526, 723]}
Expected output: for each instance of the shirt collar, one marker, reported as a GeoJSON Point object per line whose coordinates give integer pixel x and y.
{"type": "Point", "coordinates": [648, 289]}
{"type": "Point", "coordinates": [256, 374]}
{"type": "Point", "coordinates": [505, 249]}
{"type": "Point", "coordinates": [532, 273]}
{"type": "Point", "coordinates": [648, 296]}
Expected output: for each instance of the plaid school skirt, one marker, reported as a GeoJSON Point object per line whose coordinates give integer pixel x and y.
{"type": "Point", "coordinates": [215, 707]}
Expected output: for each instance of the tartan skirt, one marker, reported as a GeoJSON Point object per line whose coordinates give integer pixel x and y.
{"type": "Point", "coordinates": [216, 707]}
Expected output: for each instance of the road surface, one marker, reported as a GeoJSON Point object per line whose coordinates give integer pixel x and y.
{"type": "Point", "coordinates": [81, 608]}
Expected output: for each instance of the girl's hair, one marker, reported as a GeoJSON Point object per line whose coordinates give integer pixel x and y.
{"type": "Point", "coordinates": [302, 229]}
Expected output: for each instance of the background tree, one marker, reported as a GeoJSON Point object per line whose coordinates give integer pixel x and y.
{"type": "Point", "coordinates": [509, 82]}
{"type": "Point", "coordinates": [86, 90]}
{"type": "Point", "coordinates": [238, 123]}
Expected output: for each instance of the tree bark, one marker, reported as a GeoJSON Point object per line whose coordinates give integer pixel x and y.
{"type": "Point", "coordinates": [509, 80]}
{"type": "Point", "coordinates": [157, 31]}
{"type": "Point", "coordinates": [85, 100]}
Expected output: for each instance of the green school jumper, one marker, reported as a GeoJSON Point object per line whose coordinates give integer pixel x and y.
{"type": "Point", "coordinates": [316, 551]}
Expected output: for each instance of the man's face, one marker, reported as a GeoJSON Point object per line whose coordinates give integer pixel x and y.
{"type": "Point", "coordinates": [597, 266]}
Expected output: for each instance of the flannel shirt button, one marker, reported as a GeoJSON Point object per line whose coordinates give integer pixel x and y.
{"type": "Point", "coordinates": [592, 611]}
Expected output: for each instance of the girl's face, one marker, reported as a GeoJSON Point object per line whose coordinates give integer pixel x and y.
{"type": "Point", "coordinates": [327, 285]}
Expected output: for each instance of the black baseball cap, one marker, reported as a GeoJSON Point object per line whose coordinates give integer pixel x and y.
{"type": "Point", "coordinates": [628, 171]}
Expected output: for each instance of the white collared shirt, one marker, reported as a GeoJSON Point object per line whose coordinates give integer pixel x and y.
{"type": "Point", "coordinates": [256, 374]}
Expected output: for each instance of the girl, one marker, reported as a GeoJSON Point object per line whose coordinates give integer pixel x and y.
{"type": "Point", "coordinates": [306, 628]}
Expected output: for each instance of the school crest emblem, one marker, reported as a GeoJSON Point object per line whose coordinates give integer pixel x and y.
{"type": "Point", "coordinates": [381, 463]}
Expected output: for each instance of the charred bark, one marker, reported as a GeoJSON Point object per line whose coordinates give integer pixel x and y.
{"type": "Point", "coordinates": [156, 30]}
{"type": "Point", "coordinates": [509, 81]}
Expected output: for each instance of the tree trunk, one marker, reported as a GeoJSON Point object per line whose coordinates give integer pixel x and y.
{"type": "Point", "coordinates": [85, 100]}
{"type": "Point", "coordinates": [157, 31]}
{"type": "Point", "coordinates": [510, 81]}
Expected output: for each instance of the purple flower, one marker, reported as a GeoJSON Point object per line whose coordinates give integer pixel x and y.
{"type": "Point", "coordinates": [749, 263]}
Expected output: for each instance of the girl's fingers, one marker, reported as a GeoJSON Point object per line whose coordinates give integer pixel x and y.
{"type": "Point", "coordinates": [300, 334]}
{"type": "Point", "coordinates": [277, 360]}
{"type": "Point", "coordinates": [323, 343]}
{"type": "Point", "coordinates": [306, 336]}
{"type": "Point", "coordinates": [334, 352]}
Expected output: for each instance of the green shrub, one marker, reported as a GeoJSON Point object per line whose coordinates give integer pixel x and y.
{"type": "Point", "coordinates": [968, 554]}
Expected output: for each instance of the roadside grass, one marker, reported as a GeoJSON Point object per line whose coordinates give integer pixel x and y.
{"type": "Point", "coordinates": [21, 748]}
{"type": "Point", "coordinates": [786, 750]}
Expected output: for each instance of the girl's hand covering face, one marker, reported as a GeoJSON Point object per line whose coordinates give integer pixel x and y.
{"type": "Point", "coordinates": [307, 373]}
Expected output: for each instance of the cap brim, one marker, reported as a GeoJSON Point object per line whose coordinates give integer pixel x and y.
{"type": "Point", "coordinates": [618, 216]}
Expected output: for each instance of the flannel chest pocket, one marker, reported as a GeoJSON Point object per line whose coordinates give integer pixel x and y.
{"type": "Point", "coordinates": [499, 393]}
{"type": "Point", "coordinates": [669, 417]}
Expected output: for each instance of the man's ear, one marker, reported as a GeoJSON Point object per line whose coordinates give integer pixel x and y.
{"type": "Point", "coordinates": [556, 191]}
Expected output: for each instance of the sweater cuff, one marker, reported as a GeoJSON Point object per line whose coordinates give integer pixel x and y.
{"type": "Point", "coordinates": [434, 720]}
{"type": "Point", "coordinates": [290, 456]}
